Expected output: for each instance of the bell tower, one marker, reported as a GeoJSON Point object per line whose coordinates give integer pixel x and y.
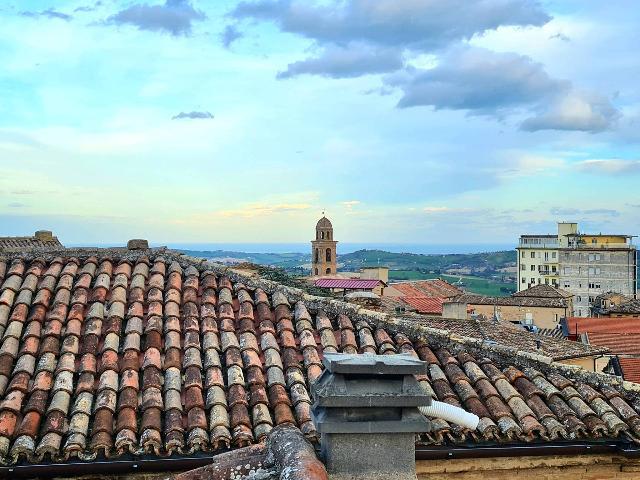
{"type": "Point", "coordinates": [323, 249]}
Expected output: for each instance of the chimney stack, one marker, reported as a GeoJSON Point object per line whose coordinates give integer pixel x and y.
{"type": "Point", "coordinates": [44, 235]}
{"type": "Point", "coordinates": [137, 244]}
{"type": "Point", "coordinates": [366, 409]}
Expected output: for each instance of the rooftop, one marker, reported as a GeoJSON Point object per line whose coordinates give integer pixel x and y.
{"type": "Point", "coordinates": [117, 354]}
{"type": "Point", "coordinates": [41, 240]}
{"type": "Point", "coordinates": [579, 325]}
{"type": "Point", "coordinates": [543, 291]}
{"type": "Point", "coordinates": [632, 307]}
{"type": "Point", "coordinates": [347, 283]}
{"type": "Point", "coordinates": [426, 296]}
{"type": "Point", "coordinates": [617, 343]}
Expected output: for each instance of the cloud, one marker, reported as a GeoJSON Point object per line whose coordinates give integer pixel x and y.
{"type": "Point", "coordinates": [413, 24]}
{"type": "Point", "coordinates": [609, 166]}
{"type": "Point", "coordinates": [49, 13]}
{"type": "Point", "coordinates": [476, 80]}
{"type": "Point", "coordinates": [193, 115]}
{"type": "Point", "coordinates": [564, 211]}
{"type": "Point", "coordinates": [88, 8]}
{"type": "Point", "coordinates": [175, 16]}
{"type": "Point", "coordinates": [560, 36]}
{"type": "Point", "coordinates": [261, 210]}
{"type": "Point", "coordinates": [230, 35]}
{"type": "Point", "coordinates": [16, 205]}
{"type": "Point", "coordinates": [587, 112]}
{"type": "Point", "coordinates": [432, 210]}
{"type": "Point", "coordinates": [348, 61]}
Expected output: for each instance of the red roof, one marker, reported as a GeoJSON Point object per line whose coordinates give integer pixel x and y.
{"type": "Point", "coordinates": [427, 296]}
{"type": "Point", "coordinates": [425, 304]}
{"type": "Point", "coordinates": [630, 369]}
{"type": "Point", "coordinates": [578, 325]}
{"type": "Point", "coordinates": [348, 283]}
{"type": "Point", "coordinates": [618, 343]}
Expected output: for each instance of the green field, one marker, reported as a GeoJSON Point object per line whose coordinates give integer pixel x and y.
{"type": "Point", "coordinates": [482, 286]}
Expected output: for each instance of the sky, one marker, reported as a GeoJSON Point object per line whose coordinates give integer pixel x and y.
{"type": "Point", "coordinates": [406, 121]}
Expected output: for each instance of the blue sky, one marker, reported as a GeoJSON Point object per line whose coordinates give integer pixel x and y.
{"type": "Point", "coordinates": [413, 121]}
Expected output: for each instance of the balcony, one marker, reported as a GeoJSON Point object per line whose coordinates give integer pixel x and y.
{"type": "Point", "coordinates": [547, 272]}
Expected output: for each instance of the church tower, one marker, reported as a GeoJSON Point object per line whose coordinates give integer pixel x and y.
{"type": "Point", "coordinates": [323, 249]}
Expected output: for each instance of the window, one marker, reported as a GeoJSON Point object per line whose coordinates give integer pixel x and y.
{"type": "Point", "coordinates": [546, 281]}
{"type": "Point", "coordinates": [328, 270]}
{"type": "Point", "coordinates": [579, 298]}
{"type": "Point", "coordinates": [597, 270]}
{"type": "Point", "coordinates": [546, 256]}
{"type": "Point", "coordinates": [553, 269]}
{"type": "Point", "coordinates": [539, 281]}
{"type": "Point", "coordinates": [317, 255]}
{"type": "Point", "coordinates": [523, 267]}
{"type": "Point", "coordinates": [533, 268]}
{"type": "Point", "coordinates": [592, 271]}
{"type": "Point", "coordinates": [328, 255]}
{"type": "Point", "coordinates": [316, 271]}
{"type": "Point", "coordinates": [523, 254]}
{"type": "Point", "coordinates": [567, 285]}
{"type": "Point", "coordinates": [597, 256]}
{"type": "Point", "coordinates": [591, 298]}
{"type": "Point", "coordinates": [591, 257]}
{"type": "Point", "coordinates": [322, 235]}
{"type": "Point", "coordinates": [533, 254]}
{"type": "Point", "coordinates": [566, 270]}
{"type": "Point", "coordinates": [553, 254]}
{"type": "Point", "coordinates": [524, 279]}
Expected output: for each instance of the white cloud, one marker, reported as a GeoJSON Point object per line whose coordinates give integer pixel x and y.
{"type": "Point", "coordinates": [609, 166]}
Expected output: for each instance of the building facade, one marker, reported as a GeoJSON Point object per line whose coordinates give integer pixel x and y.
{"type": "Point", "coordinates": [323, 250]}
{"type": "Point", "coordinates": [586, 265]}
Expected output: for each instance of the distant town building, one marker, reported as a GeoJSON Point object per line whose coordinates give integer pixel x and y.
{"type": "Point", "coordinates": [323, 249]}
{"type": "Point", "coordinates": [41, 240]}
{"type": "Point", "coordinates": [586, 265]}
{"type": "Point", "coordinates": [542, 306]}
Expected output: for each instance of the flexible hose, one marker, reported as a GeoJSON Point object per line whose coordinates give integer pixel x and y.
{"type": "Point", "coordinates": [450, 414]}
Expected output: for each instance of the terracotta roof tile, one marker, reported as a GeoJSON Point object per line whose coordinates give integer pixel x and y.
{"type": "Point", "coordinates": [183, 361]}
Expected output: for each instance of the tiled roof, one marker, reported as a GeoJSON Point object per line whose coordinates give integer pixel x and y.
{"type": "Point", "coordinates": [579, 325]}
{"type": "Point", "coordinates": [551, 332]}
{"type": "Point", "coordinates": [523, 301]}
{"type": "Point", "coordinates": [427, 305]}
{"type": "Point", "coordinates": [141, 354]}
{"type": "Point", "coordinates": [426, 296]}
{"type": "Point", "coordinates": [14, 244]}
{"type": "Point", "coordinates": [617, 343]}
{"type": "Point", "coordinates": [630, 307]}
{"type": "Point", "coordinates": [429, 288]}
{"type": "Point", "coordinates": [630, 368]}
{"type": "Point", "coordinates": [543, 291]}
{"type": "Point", "coordinates": [510, 335]}
{"type": "Point", "coordinates": [348, 283]}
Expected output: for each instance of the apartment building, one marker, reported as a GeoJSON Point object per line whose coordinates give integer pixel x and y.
{"type": "Point", "coordinates": [586, 265]}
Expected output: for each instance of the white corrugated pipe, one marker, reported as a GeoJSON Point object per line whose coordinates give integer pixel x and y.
{"type": "Point", "coordinates": [451, 414]}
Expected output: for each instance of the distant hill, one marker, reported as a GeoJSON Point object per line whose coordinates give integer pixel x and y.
{"type": "Point", "coordinates": [491, 273]}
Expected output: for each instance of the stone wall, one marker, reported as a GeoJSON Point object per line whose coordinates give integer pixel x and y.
{"type": "Point", "coordinates": [557, 467]}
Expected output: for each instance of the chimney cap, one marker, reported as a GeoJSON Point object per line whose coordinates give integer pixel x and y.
{"type": "Point", "coordinates": [137, 244]}
{"type": "Point", "coordinates": [403, 364]}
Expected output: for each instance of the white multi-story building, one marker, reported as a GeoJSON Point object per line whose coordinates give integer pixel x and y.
{"type": "Point", "coordinates": [585, 265]}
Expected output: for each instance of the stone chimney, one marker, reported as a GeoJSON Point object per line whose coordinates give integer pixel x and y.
{"type": "Point", "coordinates": [366, 409]}
{"type": "Point", "coordinates": [137, 244]}
{"type": "Point", "coordinates": [44, 235]}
